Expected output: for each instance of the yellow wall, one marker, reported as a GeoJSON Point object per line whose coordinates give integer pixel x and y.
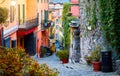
{"type": "Point", "coordinates": [50, 15]}
{"type": "Point", "coordinates": [31, 9]}
{"type": "Point", "coordinates": [21, 2]}
{"type": "Point", "coordinates": [7, 4]}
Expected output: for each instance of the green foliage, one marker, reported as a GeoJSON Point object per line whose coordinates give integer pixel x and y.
{"type": "Point", "coordinates": [89, 60]}
{"type": "Point", "coordinates": [110, 22]}
{"type": "Point", "coordinates": [3, 14]}
{"type": "Point", "coordinates": [42, 50]}
{"type": "Point", "coordinates": [91, 13]}
{"type": "Point", "coordinates": [15, 62]}
{"type": "Point", "coordinates": [66, 10]}
{"type": "Point", "coordinates": [66, 20]}
{"type": "Point", "coordinates": [96, 53]}
{"type": "Point", "coordinates": [63, 54]}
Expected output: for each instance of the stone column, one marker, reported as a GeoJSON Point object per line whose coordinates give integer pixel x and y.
{"type": "Point", "coordinates": [74, 54]}
{"type": "Point", "coordinates": [71, 47]}
{"type": "Point", "coordinates": [76, 45]}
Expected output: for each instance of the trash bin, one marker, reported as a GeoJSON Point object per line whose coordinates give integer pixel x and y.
{"type": "Point", "coordinates": [106, 61]}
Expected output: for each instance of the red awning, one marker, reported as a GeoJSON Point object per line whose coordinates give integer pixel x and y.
{"type": "Point", "coordinates": [26, 32]}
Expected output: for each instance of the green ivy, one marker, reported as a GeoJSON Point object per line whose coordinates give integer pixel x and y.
{"type": "Point", "coordinates": [66, 28]}
{"type": "Point", "coordinates": [91, 13]}
{"type": "Point", "coordinates": [109, 16]}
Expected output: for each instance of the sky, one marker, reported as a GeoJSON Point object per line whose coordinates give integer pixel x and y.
{"type": "Point", "coordinates": [60, 0]}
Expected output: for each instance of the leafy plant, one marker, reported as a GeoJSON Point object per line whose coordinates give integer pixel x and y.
{"type": "Point", "coordinates": [89, 60]}
{"type": "Point", "coordinates": [91, 13]}
{"type": "Point", "coordinates": [3, 14]}
{"type": "Point", "coordinates": [42, 50]}
{"type": "Point", "coordinates": [110, 22]}
{"type": "Point", "coordinates": [63, 54]}
{"type": "Point", "coordinates": [15, 62]}
{"type": "Point", "coordinates": [96, 53]}
{"type": "Point", "coordinates": [66, 19]}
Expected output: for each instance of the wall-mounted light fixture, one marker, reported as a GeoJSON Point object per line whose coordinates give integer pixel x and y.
{"type": "Point", "coordinates": [13, 3]}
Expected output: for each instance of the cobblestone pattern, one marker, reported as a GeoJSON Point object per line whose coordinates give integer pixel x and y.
{"type": "Point", "coordinates": [71, 69]}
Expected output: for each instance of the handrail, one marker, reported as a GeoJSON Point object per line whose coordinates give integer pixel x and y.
{"type": "Point", "coordinates": [29, 23]}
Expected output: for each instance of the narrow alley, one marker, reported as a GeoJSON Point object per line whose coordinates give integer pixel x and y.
{"type": "Point", "coordinates": [70, 69]}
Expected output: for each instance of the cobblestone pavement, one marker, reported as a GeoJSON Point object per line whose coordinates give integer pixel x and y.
{"type": "Point", "coordinates": [70, 69]}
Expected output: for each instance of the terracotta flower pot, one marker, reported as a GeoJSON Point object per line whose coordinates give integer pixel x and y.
{"type": "Point", "coordinates": [41, 55]}
{"type": "Point", "coordinates": [96, 66]}
{"type": "Point", "coordinates": [64, 61]}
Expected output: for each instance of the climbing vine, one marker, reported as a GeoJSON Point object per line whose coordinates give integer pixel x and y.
{"type": "Point", "coordinates": [106, 13]}
{"type": "Point", "coordinates": [66, 28]}
{"type": "Point", "coordinates": [91, 13]}
{"type": "Point", "coordinates": [110, 22]}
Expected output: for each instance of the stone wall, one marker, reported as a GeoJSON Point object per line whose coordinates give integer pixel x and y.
{"type": "Point", "coordinates": [89, 37]}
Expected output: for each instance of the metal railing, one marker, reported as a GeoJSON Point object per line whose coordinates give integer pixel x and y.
{"type": "Point", "coordinates": [45, 25]}
{"type": "Point", "coordinates": [29, 23]}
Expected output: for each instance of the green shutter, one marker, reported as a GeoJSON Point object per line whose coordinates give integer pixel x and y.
{"type": "Point", "coordinates": [19, 14]}
{"type": "Point", "coordinates": [23, 13]}
{"type": "Point", "coordinates": [10, 13]}
{"type": "Point", "coordinates": [46, 15]}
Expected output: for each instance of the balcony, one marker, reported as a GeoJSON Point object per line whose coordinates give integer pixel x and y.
{"type": "Point", "coordinates": [28, 24]}
{"type": "Point", "coordinates": [45, 25]}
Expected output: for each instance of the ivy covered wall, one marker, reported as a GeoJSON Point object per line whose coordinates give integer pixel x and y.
{"type": "Point", "coordinates": [100, 25]}
{"type": "Point", "coordinates": [90, 31]}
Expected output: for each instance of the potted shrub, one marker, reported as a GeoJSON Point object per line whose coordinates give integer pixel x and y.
{"type": "Point", "coordinates": [42, 51]}
{"type": "Point", "coordinates": [15, 62]}
{"type": "Point", "coordinates": [88, 60]}
{"type": "Point", "coordinates": [63, 55]}
{"type": "Point", "coordinates": [95, 54]}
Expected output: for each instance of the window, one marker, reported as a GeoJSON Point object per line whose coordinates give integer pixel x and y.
{"type": "Point", "coordinates": [19, 14]}
{"type": "Point", "coordinates": [21, 41]}
{"type": "Point", "coordinates": [41, 15]}
{"type": "Point", "coordinates": [23, 13]}
{"type": "Point", "coordinates": [45, 15]}
{"type": "Point", "coordinates": [57, 36]}
{"type": "Point", "coordinates": [57, 26]}
{"type": "Point", "coordinates": [38, 16]}
{"type": "Point", "coordinates": [57, 21]}
{"type": "Point", "coordinates": [12, 13]}
{"type": "Point", "coordinates": [58, 13]}
{"type": "Point", "coordinates": [37, 1]}
{"type": "Point", "coordinates": [13, 43]}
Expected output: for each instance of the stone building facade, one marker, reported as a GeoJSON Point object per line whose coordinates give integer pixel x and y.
{"type": "Point", "coordinates": [89, 37]}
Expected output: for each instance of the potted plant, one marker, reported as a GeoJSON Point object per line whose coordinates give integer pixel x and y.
{"type": "Point", "coordinates": [42, 51]}
{"type": "Point", "coordinates": [88, 60]}
{"type": "Point", "coordinates": [63, 55]}
{"type": "Point", "coordinates": [96, 54]}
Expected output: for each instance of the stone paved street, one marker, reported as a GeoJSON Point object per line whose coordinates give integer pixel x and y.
{"type": "Point", "coordinates": [71, 69]}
